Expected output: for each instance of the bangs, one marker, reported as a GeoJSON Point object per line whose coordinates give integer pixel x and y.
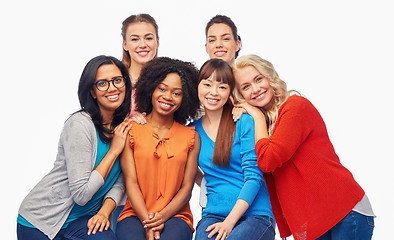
{"type": "Point", "coordinates": [222, 70]}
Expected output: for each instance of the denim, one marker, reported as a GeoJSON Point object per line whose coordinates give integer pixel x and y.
{"type": "Point", "coordinates": [132, 228]}
{"type": "Point", "coordinates": [354, 226]}
{"type": "Point", "coordinates": [76, 230]}
{"type": "Point", "coordinates": [248, 227]}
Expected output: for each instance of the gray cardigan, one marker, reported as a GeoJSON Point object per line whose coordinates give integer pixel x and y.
{"type": "Point", "coordinates": [72, 179]}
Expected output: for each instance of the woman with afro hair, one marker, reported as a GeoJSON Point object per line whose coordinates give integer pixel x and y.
{"type": "Point", "coordinates": [160, 162]}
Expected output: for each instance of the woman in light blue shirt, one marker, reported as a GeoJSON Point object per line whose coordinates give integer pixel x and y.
{"type": "Point", "coordinates": [75, 199]}
{"type": "Point", "coordinates": [238, 205]}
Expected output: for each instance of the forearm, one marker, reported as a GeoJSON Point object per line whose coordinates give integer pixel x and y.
{"type": "Point", "coordinates": [236, 213]}
{"type": "Point", "coordinates": [137, 202]}
{"type": "Point", "coordinates": [199, 177]}
{"type": "Point", "coordinates": [107, 208]}
{"type": "Point", "coordinates": [260, 125]}
{"type": "Point", "coordinates": [177, 203]}
{"type": "Point", "coordinates": [106, 164]}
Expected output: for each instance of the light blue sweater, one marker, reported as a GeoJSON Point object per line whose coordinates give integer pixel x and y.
{"type": "Point", "coordinates": [71, 181]}
{"type": "Point", "coordinates": [242, 179]}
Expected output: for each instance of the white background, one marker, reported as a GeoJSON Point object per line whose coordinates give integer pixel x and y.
{"type": "Point", "coordinates": [339, 54]}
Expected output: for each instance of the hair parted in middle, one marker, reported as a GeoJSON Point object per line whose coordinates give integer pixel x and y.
{"type": "Point", "coordinates": [90, 105]}
{"type": "Point", "coordinates": [225, 20]}
{"type": "Point", "coordinates": [154, 72]}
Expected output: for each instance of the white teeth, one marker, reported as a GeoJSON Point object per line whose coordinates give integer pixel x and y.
{"type": "Point", "coordinates": [165, 104]}
{"type": "Point", "coordinates": [112, 97]}
{"type": "Point", "coordinates": [212, 100]}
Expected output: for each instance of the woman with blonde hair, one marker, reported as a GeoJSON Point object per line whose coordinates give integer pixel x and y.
{"type": "Point", "coordinates": [313, 195]}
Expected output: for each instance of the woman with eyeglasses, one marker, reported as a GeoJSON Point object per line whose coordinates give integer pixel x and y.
{"type": "Point", "coordinates": [75, 199]}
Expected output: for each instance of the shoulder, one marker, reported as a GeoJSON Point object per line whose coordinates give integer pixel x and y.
{"type": "Point", "coordinates": [296, 103]}
{"type": "Point", "coordinates": [79, 120]}
{"type": "Point", "coordinates": [245, 119]}
{"type": "Point", "coordinates": [188, 130]}
{"type": "Point", "coordinates": [197, 124]}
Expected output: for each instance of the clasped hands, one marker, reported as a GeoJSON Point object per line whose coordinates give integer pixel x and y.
{"type": "Point", "coordinates": [153, 226]}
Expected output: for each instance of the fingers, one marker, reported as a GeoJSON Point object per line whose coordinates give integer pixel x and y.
{"type": "Point", "coordinates": [138, 118]}
{"type": "Point", "coordinates": [218, 230]}
{"type": "Point", "coordinates": [157, 235]}
{"type": "Point", "coordinates": [97, 224]}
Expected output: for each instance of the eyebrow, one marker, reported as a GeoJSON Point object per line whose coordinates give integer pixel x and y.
{"type": "Point", "coordinates": [167, 86]}
{"type": "Point", "coordinates": [223, 35]}
{"type": "Point", "coordinates": [136, 35]}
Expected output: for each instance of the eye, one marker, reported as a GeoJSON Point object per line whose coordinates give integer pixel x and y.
{"type": "Point", "coordinates": [134, 39]}
{"type": "Point", "coordinates": [118, 80]}
{"type": "Point", "coordinates": [101, 83]}
{"type": "Point", "coordinates": [149, 38]}
{"type": "Point", "coordinates": [223, 87]}
{"type": "Point", "coordinates": [259, 79]}
{"type": "Point", "coordinates": [206, 84]}
{"type": "Point", "coordinates": [177, 94]}
{"type": "Point", "coordinates": [245, 87]}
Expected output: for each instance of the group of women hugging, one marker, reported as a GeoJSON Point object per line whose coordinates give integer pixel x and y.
{"type": "Point", "coordinates": [151, 127]}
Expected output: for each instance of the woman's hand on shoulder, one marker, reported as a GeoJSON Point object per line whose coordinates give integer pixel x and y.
{"type": "Point", "coordinates": [138, 118]}
{"type": "Point", "coordinates": [120, 136]}
{"type": "Point", "coordinates": [242, 107]}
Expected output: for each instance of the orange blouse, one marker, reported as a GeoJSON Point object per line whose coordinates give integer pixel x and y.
{"type": "Point", "coordinates": [160, 165]}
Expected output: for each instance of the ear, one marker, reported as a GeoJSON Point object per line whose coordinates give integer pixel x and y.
{"type": "Point", "coordinates": [206, 48]}
{"type": "Point", "coordinates": [238, 44]}
{"type": "Point", "coordinates": [93, 94]}
{"type": "Point", "coordinates": [125, 46]}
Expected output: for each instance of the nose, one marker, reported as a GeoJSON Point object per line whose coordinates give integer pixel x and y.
{"type": "Point", "coordinates": [167, 95]}
{"type": "Point", "coordinates": [255, 88]}
{"type": "Point", "coordinates": [111, 86]}
{"type": "Point", "coordinates": [214, 91]}
{"type": "Point", "coordinates": [142, 43]}
{"type": "Point", "coordinates": [218, 43]}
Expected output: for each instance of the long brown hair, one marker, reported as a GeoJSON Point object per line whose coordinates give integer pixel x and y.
{"type": "Point", "coordinates": [225, 135]}
{"type": "Point", "coordinates": [143, 17]}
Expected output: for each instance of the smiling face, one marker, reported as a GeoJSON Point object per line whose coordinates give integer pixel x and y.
{"type": "Point", "coordinates": [167, 97]}
{"type": "Point", "coordinates": [221, 43]}
{"type": "Point", "coordinates": [213, 94]}
{"type": "Point", "coordinates": [254, 87]}
{"type": "Point", "coordinates": [141, 42]}
{"type": "Point", "coordinates": [109, 100]}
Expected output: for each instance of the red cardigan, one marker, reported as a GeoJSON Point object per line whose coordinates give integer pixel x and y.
{"type": "Point", "coordinates": [310, 190]}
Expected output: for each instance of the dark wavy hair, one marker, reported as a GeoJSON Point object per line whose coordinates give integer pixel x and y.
{"type": "Point", "coordinates": [154, 72]}
{"type": "Point", "coordinates": [89, 104]}
{"type": "Point", "coordinates": [225, 20]}
{"type": "Point", "coordinates": [225, 136]}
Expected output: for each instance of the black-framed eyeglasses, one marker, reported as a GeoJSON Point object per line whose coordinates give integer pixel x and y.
{"type": "Point", "coordinates": [103, 84]}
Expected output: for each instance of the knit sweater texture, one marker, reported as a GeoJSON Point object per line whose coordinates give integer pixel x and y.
{"type": "Point", "coordinates": [310, 190]}
{"type": "Point", "coordinates": [72, 179]}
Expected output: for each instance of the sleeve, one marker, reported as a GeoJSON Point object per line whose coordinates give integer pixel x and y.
{"type": "Point", "coordinates": [192, 135]}
{"type": "Point", "coordinates": [78, 150]}
{"type": "Point", "coordinates": [252, 174]}
{"type": "Point", "coordinates": [118, 190]}
{"type": "Point", "coordinates": [291, 130]}
{"type": "Point", "coordinates": [131, 137]}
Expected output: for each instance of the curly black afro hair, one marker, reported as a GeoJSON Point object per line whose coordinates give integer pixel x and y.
{"type": "Point", "coordinates": [154, 72]}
